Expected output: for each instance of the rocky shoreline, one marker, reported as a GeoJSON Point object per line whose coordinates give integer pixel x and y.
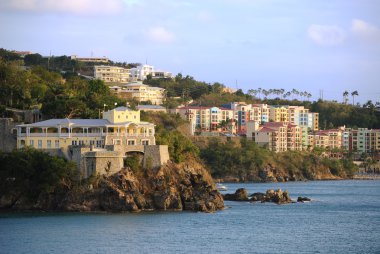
{"type": "Point", "coordinates": [176, 187]}
{"type": "Point", "coordinates": [272, 196]}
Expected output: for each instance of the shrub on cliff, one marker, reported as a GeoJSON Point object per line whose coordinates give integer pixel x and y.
{"type": "Point", "coordinates": [180, 146]}
{"type": "Point", "coordinates": [27, 173]}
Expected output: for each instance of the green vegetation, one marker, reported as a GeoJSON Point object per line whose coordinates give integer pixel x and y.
{"type": "Point", "coordinates": [55, 96]}
{"type": "Point", "coordinates": [180, 146]}
{"type": "Point", "coordinates": [246, 160]}
{"type": "Point", "coordinates": [28, 173]}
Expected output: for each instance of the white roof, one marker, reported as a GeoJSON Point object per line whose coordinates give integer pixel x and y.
{"type": "Point", "coordinates": [79, 123]}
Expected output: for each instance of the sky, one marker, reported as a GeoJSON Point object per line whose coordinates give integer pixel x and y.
{"type": "Point", "coordinates": [314, 46]}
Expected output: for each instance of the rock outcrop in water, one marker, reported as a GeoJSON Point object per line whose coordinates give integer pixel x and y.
{"type": "Point", "coordinates": [274, 196]}
{"type": "Point", "coordinates": [303, 199]}
{"type": "Point", "coordinates": [186, 186]}
{"type": "Point", "coordinates": [239, 195]}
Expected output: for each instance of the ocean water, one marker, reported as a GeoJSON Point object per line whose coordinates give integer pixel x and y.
{"type": "Point", "coordinates": [344, 217]}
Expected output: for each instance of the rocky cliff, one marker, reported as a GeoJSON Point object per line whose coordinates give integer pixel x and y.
{"type": "Point", "coordinates": [185, 186]}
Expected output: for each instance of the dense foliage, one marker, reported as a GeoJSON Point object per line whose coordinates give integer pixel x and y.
{"type": "Point", "coordinates": [246, 160]}
{"type": "Point", "coordinates": [57, 97]}
{"type": "Point", "coordinates": [180, 146]}
{"type": "Point", "coordinates": [29, 173]}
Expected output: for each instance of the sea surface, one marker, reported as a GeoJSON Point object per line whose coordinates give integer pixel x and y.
{"type": "Point", "coordinates": [344, 217]}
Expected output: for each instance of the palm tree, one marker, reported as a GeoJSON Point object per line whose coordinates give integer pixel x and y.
{"type": "Point", "coordinates": [353, 94]}
{"type": "Point", "coordinates": [345, 97]}
{"type": "Point", "coordinates": [252, 92]}
{"type": "Point", "coordinates": [259, 90]}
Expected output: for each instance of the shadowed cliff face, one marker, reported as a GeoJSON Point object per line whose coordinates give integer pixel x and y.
{"type": "Point", "coordinates": [185, 186]}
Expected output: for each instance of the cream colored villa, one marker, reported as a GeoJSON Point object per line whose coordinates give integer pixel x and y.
{"type": "Point", "coordinates": [120, 126]}
{"type": "Point", "coordinates": [112, 74]}
{"type": "Point", "coordinates": [142, 93]}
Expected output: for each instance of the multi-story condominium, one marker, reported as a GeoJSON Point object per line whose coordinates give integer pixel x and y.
{"type": "Point", "coordinates": [206, 118]}
{"type": "Point", "coordinates": [318, 140]}
{"type": "Point", "coordinates": [112, 74]}
{"type": "Point", "coordinates": [295, 114]}
{"type": "Point", "coordinates": [346, 139]}
{"type": "Point", "coordinates": [313, 121]}
{"type": "Point", "coordinates": [333, 140]}
{"type": "Point", "coordinates": [241, 112]}
{"type": "Point", "coordinates": [259, 113]}
{"type": "Point", "coordinates": [120, 126]}
{"type": "Point", "coordinates": [90, 59]}
{"type": "Point", "coordinates": [141, 93]}
{"type": "Point", "coordinates": [364, 140]}
{"type": "Point", "coordinates": [277, 136]}
{"type": "Point", "coordinates": [278, 114]}
{"type": "Point", "coordinates": [141, 72]}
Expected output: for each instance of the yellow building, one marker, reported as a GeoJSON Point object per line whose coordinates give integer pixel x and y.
{"type": "Point", "coordinates": [120, 126]}
{"type": "Point", "coordinates": [278, 114]}
{"type": "Point", "coordinates": [112, 74]}
{"type": "Point", "coordinates": [142, 93]}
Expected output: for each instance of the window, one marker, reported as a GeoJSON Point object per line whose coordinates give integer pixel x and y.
{"type": "Point", "coordinates": [48, 144]}
{"type": "Point", "coordinates": [145, 142]}
{"type": "Point", "coordinates": [31, 143]}
{"type": "Point", "coordinates": [131, 142]}
{"type": "Point", "coordinates": [57, 144]}
{"type": "Point", "coordinates": [39, 144]}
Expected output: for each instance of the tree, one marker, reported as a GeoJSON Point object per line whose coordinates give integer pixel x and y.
{"type": "Point", "coordinates": [345, 97]}
{"type": "Point", "coordinates": [252, 92]}
{"type": "Point", "coordinates": [354, 93]}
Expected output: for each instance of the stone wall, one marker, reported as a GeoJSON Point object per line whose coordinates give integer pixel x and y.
{"type": "Point", "coordinates": [8, 140]}
{"type": "Point", "coordinates": [111, 159]}
{"type": "Point", "coordinates": [155, 156]}
{"type": "Point", "coordinates": [101, 162]}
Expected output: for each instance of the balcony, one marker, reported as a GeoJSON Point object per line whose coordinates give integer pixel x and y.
{"type": "Point", "coordinates": [77, 135]}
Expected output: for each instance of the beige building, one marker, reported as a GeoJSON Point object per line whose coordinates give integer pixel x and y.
{"type": "Point", "coordinates": [112, 74]}
{"type": "Point", "coordinates": [120, 126]}
{"type": "Point", "coordinates": [207, 118]}
{"type": "Point", "coordinates": [328, 139]}
{"type": "Point", "coordinates": [90, 59]}
{"type": "Point", "coordinates": [276, 136]}
{"type": "Point", "coordinates": [141, 93]}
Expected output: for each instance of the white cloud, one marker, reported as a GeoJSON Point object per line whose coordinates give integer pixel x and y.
{"type": "Point", "coordinates": [326, 35]}
{"type": "Point", "coordinates": [160, 34]}
{"type": "Point", "coordinates": [86, 7]}
{"type": "Point", "coordinates": [365, 31]}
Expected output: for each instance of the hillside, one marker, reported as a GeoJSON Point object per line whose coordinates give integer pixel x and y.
{"type": "Point", "coordinates": [47, 183]}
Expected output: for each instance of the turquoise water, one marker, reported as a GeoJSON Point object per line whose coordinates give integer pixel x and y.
{"type": "Point", "coordinates": [343, 218]}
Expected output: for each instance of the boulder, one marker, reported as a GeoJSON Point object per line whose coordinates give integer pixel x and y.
{"type": "Point", "coordinates": [303, 199]}
{"type": "Point", "coordinates": [277, 196]}
{"type": "Point", "coordinates": [240, 194]}
{"type": "Point", "coordinates": [257, 196]}
{"type": "Point", "coordinates": [274, 196]}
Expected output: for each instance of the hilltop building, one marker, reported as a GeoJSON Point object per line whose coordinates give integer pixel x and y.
{"type": "Point", "coordinates": [141, 72]}
{"type": "Point", "coordinates": [140, 92]}
{"type": "Point", "coordinates": [276, 136]}
{"type": "Point", "coordinates": [112, 74]}
{"type": "Point", "coordinates": [90, 59]}
{"type": "Point", "coordinates": [207, 118]}
{"type": "Point", "coordinates": [96, 145]}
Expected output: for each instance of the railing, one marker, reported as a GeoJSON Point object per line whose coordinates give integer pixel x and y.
{"type": "Point", "coordinates": [74, 135]}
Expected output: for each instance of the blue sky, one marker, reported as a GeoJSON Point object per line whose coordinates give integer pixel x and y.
{"type": "Point", "coordinates": [329, 45]}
